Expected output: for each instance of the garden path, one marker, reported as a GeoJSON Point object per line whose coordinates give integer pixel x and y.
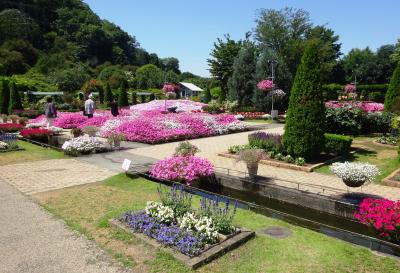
{"type": "Point", "coordinates": [209, 147]}
{"type": "Point", "coordinates": [45, 175]}
{"type": "Point", "coordinates": [34, 241]}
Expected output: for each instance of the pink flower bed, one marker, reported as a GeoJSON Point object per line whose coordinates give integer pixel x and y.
{"type": "Point", "coordinates": [382, 215]}
{"type": "Point", "coordinates": [366, 106]}
{"type": "Point", "coordinates": [147, 123]}
{"type": "Point", "coordinates": [182, 168]}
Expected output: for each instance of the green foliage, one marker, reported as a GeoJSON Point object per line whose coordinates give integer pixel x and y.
{"type": "Point", "coordinates": [149, 76]}
{"type": "Point", "coordinates": [234, 149]}
{"type": "Point", "coordinates": [215, 92]}
{"type": "Point", "coordinates": [15, 100]}
{"type": "Point", "coordinates": [176, 198]}
{"type": "Point", "coordinates": [123, 94]}
{"type": "Point", "coordinates": [134, 98]}
{"type": "Point", "coordinates": [221, 61]}
{"type": "Point", "coordinates": [29, 53]}
{"type": "Point", "coordinates": [33, 81]}
{"type": "Point", "coordinates": [71, 79]}
{"type": "Point", "coordinates": [186, 149]}
{"type": "Point", "coordinates": [91, 86]}
{"type": "Point", "coordinates": [337, 144]}
{"type": "Point", "coordinates": [12, 62]}
{"type": "Point", "coordinates": [4, 97]}
{"type": "Point", "coordinates": [393, 92]}
{"type": "Point", "coordinates": [305, 122]}
{"type": "Point", "coordinates": [207, 95]}
{"type": "Point", "coordinates": [241, 84]}
{"type": "Point", "coordinates": [171, 64]}
{"type": "Point", "coordinates": [108, 95]}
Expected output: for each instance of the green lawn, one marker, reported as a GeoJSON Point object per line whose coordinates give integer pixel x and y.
{"type": "Point", "coordinates": [87, 209]}
{"type": "Point", "coordinates": [31, 153]}
{"type": "Point", "coordinates": [386, 159]}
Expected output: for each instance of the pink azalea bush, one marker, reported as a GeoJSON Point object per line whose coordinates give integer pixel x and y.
{"type": "Point", "coordinates": [382, 215]}
{"type": "Point", "coordinates": [366, 106]}
{"type": "Point", "coordinates": [168, 87]}
{"type": "Point", "coordinates": [182, 168]}
{"type": "Point", "coordinates": [70, 120]}
{"type": "Point", "coordinates": [265, 85]}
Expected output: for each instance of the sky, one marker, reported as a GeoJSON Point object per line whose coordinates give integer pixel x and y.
{"type": "Point", "coordinates": [187, 29]}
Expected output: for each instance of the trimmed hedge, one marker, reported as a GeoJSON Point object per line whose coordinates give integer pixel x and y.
{"type": "Point", "coordinates": [337, 144]}
{"type": "Point", "coordinates": [375, 92]}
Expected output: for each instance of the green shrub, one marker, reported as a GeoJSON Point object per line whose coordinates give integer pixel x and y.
{"type": "Point", "coordinates": [376, 96]}
{"type": "Point", "coordinates": [376, 122]}
{"type": "Point", "coordinates": [108, 95]}
{"type": "Point", "coordinates": [393, 92]}
{"type": "Point", "coordinates": [134, 98]}
{"type": "Point", "coordinates": [123, 94]}
{"type": "Point", "coordinates": [344, 120]}
{"type": "Point", "coordinates": [300, 161]}
{"type": "Point", "coordinates": [15, 99]}
{"type": "Point", "coordinates": [337, 144]}
{"type": "Point", "coordinates": [4, 97]}
{"type": "Point", "coordinates": [305, 122]}
{"type": "Point", "coordinates": [288, 159]}
{"type": "Point", "coordinates": [236, 148]}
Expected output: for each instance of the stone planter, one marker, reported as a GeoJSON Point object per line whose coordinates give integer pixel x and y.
{"type": "Point", "coordinates": [252, 169]}
{"type": "Point", "coordinates": [353, 184]}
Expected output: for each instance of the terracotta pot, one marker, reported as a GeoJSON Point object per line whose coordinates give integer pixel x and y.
{"type": "Point", "coordinates": [353, 184]}
{"type": "Point", "coordinates": [252, 169]}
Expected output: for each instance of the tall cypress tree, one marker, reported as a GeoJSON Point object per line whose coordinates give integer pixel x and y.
{"type": "Point", "coordinates": [4, 97]}
{"type": "Point", "coordinates": [15, 100]}
{"type": "Point", "coordinates": [108, 95]}
{"type": "Point", "coordinates": [123, 94]}
{"type": "Point", "coordinates": [101, 94]}
{"type": "Point", "coordinates": [392, 96]}
{"type": "Point", "coordinates": [305, 122]}
{"type": "Point", "coordinates": [207, 95]}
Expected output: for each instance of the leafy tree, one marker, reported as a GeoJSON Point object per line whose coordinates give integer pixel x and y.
{"type": "Point", "coordinates": [305, 122]}
{"type": "Point", "coordinates": [15, 100]}
{"type": "Point", "coordinates": [362, 63]}
{"type": "Point", "coordinates": [108, 95]}
{"type": "Point", "coordinates": [171, 63]}
{"type": "Point", "coordinates": [92, 86]}
{"type": "Point", "coordinates": [221, 61]}
{"type": "Point", "coordinates": [392, 97]}
{"type": "Point", "coordinates": [241, 84]}
{"type": "Point", "coordinates": [71, 79]}
{"type": "Point", "coordinates": [4, 97]}
{"type": "Point", "coordinates": [284, 31]}
{"type": "Point", "coordinates": [149, 76]}
{"type": "Point", "coordinates": [384, 66]}
{"type": "Point", "coordinates": [123, 95]}
{"type": "Point", "coordinates": [12, 62]}
{"type": "Point", "coordinates": [15, 24]}
{"type": "Point", "coordinates": [29, 53]}
{"type": "Point", "coordinates": [395, 57]}
{"type": "Point", "coordinates": [134, 98]}
{"type": "Point", "coordinates": [207, 95]}
{"type": "Point", "coordinates": [171, 76]}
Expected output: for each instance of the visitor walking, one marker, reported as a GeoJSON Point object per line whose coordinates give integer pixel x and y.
{"type": "Point", "coordinates": [50, 112]}
{"type": "Point", "coordinates": [114, 107]}
{"type": "Point", "coordinates": [89, 106]}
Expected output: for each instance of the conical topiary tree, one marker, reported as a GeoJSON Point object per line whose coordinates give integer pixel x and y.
{"type": "Point", "coordinates": [207, 95]}
{"type": "Point", "coordinates": [4, 97]}
{"type": "Point", "coordinates": [108, 95]}
{"type": "Point", "coordinates": [393, 92]}
{"type": "Point", "coordinates": [101, 94]}
{"type": "Point", "coordinates": [123, 94]}
{"type": "Point", "coordinates": [15, 100]}
{"type": "Point", "coordinates": [305, 121]}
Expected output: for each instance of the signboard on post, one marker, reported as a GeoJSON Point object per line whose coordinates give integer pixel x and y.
{"type": "Point", "coordinates": [126, 164]}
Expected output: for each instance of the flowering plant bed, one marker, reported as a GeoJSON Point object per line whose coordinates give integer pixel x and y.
{"type": "Point", "coordinates": [10, 127]}
{"type": "Point", "coordinates": [382, 215]}
{"type": "Point", "coordinates": [363, 105]}
{"type": "Point", "coordinates": [9, 147]}
{"type": "Point", "coordinates": [38, 134]}
{"type": "Point", "coordinates": [83, 145]}
{"type": "Point", "coordinates": [192, 236]}
{"type": "Point", "coordinates": [147, 123]}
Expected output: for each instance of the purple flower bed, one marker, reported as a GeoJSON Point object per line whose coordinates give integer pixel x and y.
{"type": "Point", "coordinates": [185, 241]}
{"type": "Point", "coordinates": [263, 136]}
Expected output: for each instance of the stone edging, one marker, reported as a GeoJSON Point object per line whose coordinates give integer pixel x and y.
{"type": "Point", "coordinates": [375, 142]}
{"type": "Point", "coordinates": [193, 262]}
{"type": "Point", "coordinates": [281, 164]}
{"type": "Point", "coordinates": [388, 180]}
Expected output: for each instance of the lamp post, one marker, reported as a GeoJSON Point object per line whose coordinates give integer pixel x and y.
{"type": "Point", "coordinates": [274, 113]}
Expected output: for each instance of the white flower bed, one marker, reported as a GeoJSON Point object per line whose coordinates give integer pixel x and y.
{"type": "Point", "coordinates": [83, 144]}
{"type": "Point", "coordinates": [3, 145]}
{"type": "Point", "coordinates": [162, 213]}
{"type": "Point", "coordinates": [356, 172]}
{"type": "Point", "coordinates": [202, 225]}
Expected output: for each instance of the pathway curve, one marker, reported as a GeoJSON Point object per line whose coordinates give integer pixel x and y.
{"type": "Point", "coordinates": [33, 241]}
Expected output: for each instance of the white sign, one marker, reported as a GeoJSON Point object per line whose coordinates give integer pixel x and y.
{"type": "Point", "coordinates": [126, 164]}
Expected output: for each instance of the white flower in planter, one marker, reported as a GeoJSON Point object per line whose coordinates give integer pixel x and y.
{"type": "Point", "coordinates": [355, 172]}
{"type": "Point", "coordinates": [3, 145]}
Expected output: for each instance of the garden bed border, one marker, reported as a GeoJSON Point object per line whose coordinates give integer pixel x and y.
{"type": "Point", "coordinates": [375, 142]}
{"type": "Point", "coordinates": [388, 181]}
{"type": "Point", "coordinates": [282, 164]}
{"type": "Point", "coordinates": [12, 150]}
{"type": "Point", "coordinates": [192, 262]}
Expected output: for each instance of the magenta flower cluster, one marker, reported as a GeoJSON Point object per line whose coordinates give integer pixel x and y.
{"type": "Point", "coordinates": [366, 106]}
{"type": "Point", "coordinates": [381, 214]}
{"type": "Point", "coordinates": [168, 87]}
{"type": "Point", "coordinates": [182, 169]}
{"type": "Point", "coordinates": [350, 88]}
{"type": "Point", "coordinates": [265, 85]}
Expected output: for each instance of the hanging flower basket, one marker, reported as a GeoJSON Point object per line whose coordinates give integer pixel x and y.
{"type": "Point", "coordinates": [265, 85]}
{"type": "Point", "coordinates": [350, 88]}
